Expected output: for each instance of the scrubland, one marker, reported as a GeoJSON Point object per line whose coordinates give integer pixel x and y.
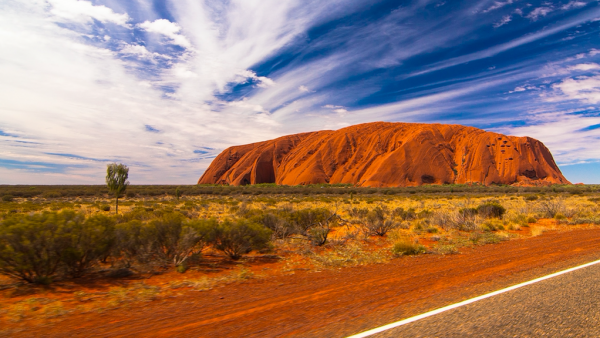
{"type": "Point", "coordinates": [63, 250]}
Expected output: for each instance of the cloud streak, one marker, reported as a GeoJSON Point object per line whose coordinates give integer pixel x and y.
{"type": "Point", "coordinates": [165, 88]}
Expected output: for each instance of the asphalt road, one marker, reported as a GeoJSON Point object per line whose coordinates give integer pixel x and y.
{"type": "Point", "coordinates": [564, 306]}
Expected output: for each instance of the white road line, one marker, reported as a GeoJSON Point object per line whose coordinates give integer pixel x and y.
{"type": "Point", "coordinates": [468, 301]}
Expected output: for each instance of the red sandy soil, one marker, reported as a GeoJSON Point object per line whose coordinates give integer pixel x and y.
{"type": "Point", "coordinates": [336, 303]}
{"type": "Point", "coordinates": [383, 154]}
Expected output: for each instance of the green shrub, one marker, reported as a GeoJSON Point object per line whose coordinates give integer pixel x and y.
{"type": "Point", "coordinates": [491, 210]}
{"type": "Point", "coordinates": [379, 222]}
{"type": "Point", "coordinates": [492, 225]}
{"type": "Point", "coordinates": [279, 225]}
{"type": "Point", "coordinates": [469, 212]}
{"type": "Point", "coordinates": [585, 220]}
{"type": "Point", "coordinates": [550, 207]}
{"type": "Point", "coordinates": [173, 240]}
{"type": "Point", "coordinates": [31, 245]}
{"type": "Point", "coordinates": [236, 238]}
{"type": "Point", "coordinates": [446, 249]}
{"type": "Point", "coordinates": [425, 214]}
{"type": "Point", "coordinates": [406, 215]}
{"type": "Point", "coordinates": [86, 242]}
{"type": "Point", "coordinates": [7, 198]}
{"type": "Point", "coordinates": [407, 248]}
{"type": "Point", "coordinates": [132, 242]}
{"type": "Point", "coordinates": [318, 235]}
{"type": "Point", "coordinates": [306, 218]}
{"type": "Point", "coordinates": [479, 238]}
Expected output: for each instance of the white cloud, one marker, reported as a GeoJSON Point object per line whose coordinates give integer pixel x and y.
{"type": "Point", "coordinates": [84, 11]}
{"type": "Point", "coordinates": [86, 99]}
{"type": "Point", "coordinates": [573, 4]}
{"type": "Point", "coordinates": [497, 5]}
{"type": "Point", "coordinates": [584, 67]}
{"type": "Point", "coordinates": [74, 98]}
{"type": "Point", "coordinates": [263, 81]}
{"type": "Point", "coordinates": [538, 12]}
{"type": "Point", "coordinates": [584, 89]}
{"type": "Point", "coordinates": [168, 29]}
{"type": "Point", "coordinates": [566, 135]}
{"type": "Point", "coordinates": [518, 89]}
{"type": "Point", "coordinates": [505, 19]}
{"type": "Point", "coordinates": [245, 104]}
{"type": "Point", "coordinates": [340, 110]}
{"type": "Point", "coordinates": [141, 52]}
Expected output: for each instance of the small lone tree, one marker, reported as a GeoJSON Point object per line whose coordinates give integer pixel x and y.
{"type": "Point", "coordinates": [116, 180]}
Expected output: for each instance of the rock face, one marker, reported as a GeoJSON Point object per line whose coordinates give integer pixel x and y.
{"type": "Point", "coordinates": [382, 154]}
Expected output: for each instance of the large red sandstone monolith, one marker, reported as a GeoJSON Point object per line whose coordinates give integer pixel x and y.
{"type": "Point", "coordinates": [382, 154]}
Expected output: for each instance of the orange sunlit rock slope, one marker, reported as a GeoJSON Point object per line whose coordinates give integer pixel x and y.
{"type": "Point", "coordinates": [382, 154]}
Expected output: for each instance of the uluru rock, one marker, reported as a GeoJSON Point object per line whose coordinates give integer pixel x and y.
{"type": "Point", "coordinates": [382, 154]}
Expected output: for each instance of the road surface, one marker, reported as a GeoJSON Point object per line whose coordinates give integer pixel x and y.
{"type": "Point", "coordinates": [564, 306]}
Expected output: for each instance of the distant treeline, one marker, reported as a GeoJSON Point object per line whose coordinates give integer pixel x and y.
{"type": "Point", "coordinates": [133, 191]}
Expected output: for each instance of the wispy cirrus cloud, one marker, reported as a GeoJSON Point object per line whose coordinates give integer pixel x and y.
{"type": "Point", "coordinates": [168, 29]}
{"type": "Point", "coordinates": [536, 13]}
{"type": "Point", "coordinates": [505, 19]}
{"type": "Point", "coordinates": [84, 12]}
{"type": "Point", "coordinates": [164, 86]}
{"type": "Point", "coordinates": [498, 5]}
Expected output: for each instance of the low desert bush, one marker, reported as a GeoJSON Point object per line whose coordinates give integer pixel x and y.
{"type": "Point", "coordinates": [492, 225]}
{"type": "Point", "coordinates": [559, 216]}
{"type": "Point", "coordinates": [31, 246]}
{"type": "Point", "coordinates": [348, 255]}
{"type": "Point", "coordinates": [443, 219]}
{"type": "Point", "coordinates": [491, 210]}
{"type": "Point", "coordinates": [86, 242]}
{"type": "Point", "coordinates": [482, 238]}
{"type": "Point", "coordinates": [239, 237]}
{"type": "Point", "coordinates": [280, 226]}
{"type": "Point", "coordinates": [304, 219]}
{"type": "Point", "coordinates": [446, 249]}
{"type": "Point", "coordinates": [173, 240]}
{"type": "Point", "coordinates": [379, 222]}
{"type": "Point", "coordinates": [407, 247]}
{"type": "Point", "coordinates": [318, 235]}
{"type": "Point", "coordinates": [551, 206]}
{"type": "Point", "coordinates": [466, 219]}
{"type": "Point", "coordinates": [585, 220]}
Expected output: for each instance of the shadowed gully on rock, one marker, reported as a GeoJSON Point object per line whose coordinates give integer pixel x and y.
{"type": "Point", "coordinates": [383, 154]}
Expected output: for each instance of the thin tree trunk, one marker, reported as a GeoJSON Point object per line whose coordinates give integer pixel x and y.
{"type": "Point", "coordinates": [117, 207]}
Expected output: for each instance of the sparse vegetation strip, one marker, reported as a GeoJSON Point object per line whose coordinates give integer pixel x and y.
{"type": "Point", "coordinates": [44, 241]}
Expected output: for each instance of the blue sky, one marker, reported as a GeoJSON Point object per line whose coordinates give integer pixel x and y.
{"type": "Point", "coordinates": [164, 86]}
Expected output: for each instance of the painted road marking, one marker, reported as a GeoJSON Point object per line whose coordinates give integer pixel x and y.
{"type": "Point", "coordinates": [468, 301]}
